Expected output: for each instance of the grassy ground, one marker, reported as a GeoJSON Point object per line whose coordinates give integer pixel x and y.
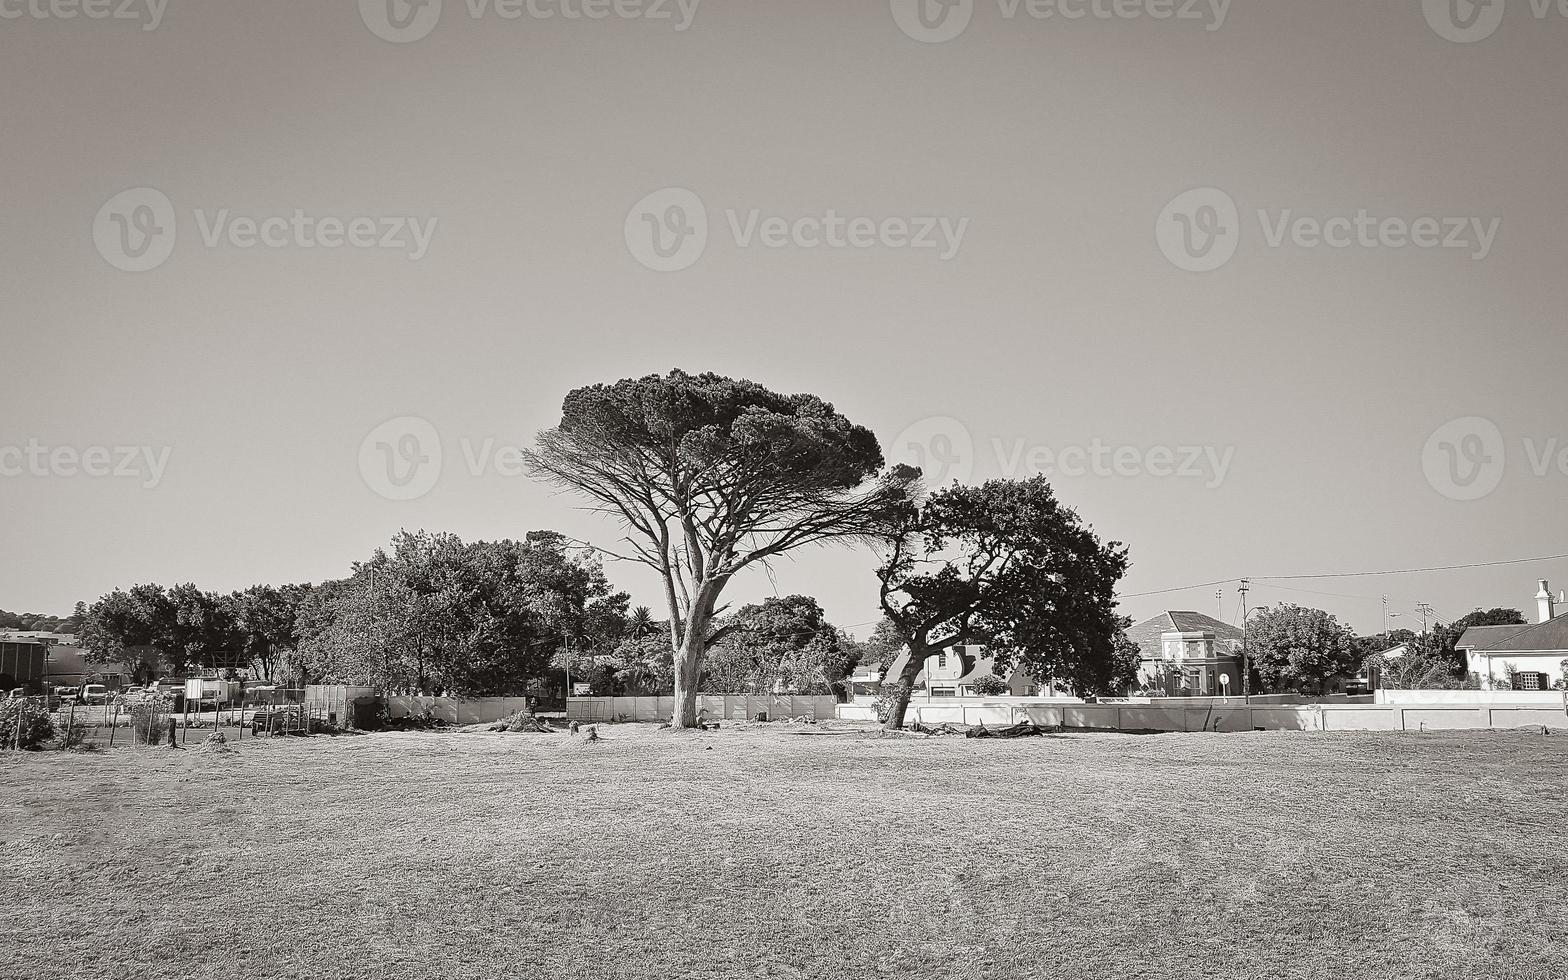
{"type": "Point", "coordinates": [757, 853]}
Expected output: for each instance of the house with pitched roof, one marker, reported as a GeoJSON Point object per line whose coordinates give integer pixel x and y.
{"type": "Point", "coordinates": [1188, 654]}
{"type": "Point", "coordinates": [954, 673]}
{"type": "Point", "coordinates": [1530, 657]}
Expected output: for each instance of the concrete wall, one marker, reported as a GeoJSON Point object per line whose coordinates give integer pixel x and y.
{"type": "Point", "coordinates": [711, 707]}
{"type": "Point", "coordinates": [455, 711]}
{"type": "Point", "coordinates": [1476, 698]}
{"type": "Point", "coordinates": [1232, 715]}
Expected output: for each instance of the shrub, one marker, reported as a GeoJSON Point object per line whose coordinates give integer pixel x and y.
{"type": "Point", "coordinates": [27, 718]}
{"type": "Point", "coordinates": [149, 719]}
{"type": "Point", "coordinates": [991, 686]}
{"type": "Point", "coordinates": [883, 705]}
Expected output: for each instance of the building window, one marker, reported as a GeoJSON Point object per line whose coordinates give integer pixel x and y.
{"type": "Point", "coordinates": [941, 660]}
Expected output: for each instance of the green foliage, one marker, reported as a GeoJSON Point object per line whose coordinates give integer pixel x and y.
{"type": "Point", "coordinates": [991, 686]}
{"type": "Point", "coordinates": [781, 644]}
{"type": "Point", "coordinates": [648, 665]}
{"type": "Point", "coordinates": [891, 698]}
{"type": "Point", "coordinates": [186, 626]}
{"type": "Point", "coordinates": [434, 614]}
{"type": "Point", "coordinates": [1418, 669]}
{"type": "Point", "coordinates": [39, 623]}
{"type": "Point", "coordinates": [712, 475]}
{"type": "Point", "coordinates": [266, 618]}
{"type": "Point", "coordinates": [149, 717]}
{"type": "Point", "coordinates": [1297, 649]}
{"type": "Point", "coordinates": [1007, 566]}
{"type": "Point", "coordinates": [28, 719]}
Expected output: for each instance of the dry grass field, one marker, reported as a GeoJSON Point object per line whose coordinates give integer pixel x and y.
{"type": "Point", "coordinates": [763, 853]}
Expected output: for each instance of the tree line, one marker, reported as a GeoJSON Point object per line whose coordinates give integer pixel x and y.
{"type": "Point", "coordinates": [431, 614]}
{"type": "Point", "coordinates": [37, 623]}
{"type": "Point", "coordinates": [1296, 649]}
{"type": "Point", "coordinates": [707, 478]}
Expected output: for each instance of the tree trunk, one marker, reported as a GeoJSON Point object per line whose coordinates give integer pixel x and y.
{"type": "Point", "coordinates": [905, 686]}
{"type": "Point", "coordinates": [688, 668]}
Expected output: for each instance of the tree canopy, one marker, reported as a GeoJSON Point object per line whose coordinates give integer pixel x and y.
{"type": "Point", "coordinates": [1004, 565]}
{"type": "Point", "coordinates": [1299, 650]}
{"type": "Point", "coordinates": [434, 614]}
{"type": "Point", "coordinates": [781, 644]}
{"type": "Point", "coordinates": [709, 476]}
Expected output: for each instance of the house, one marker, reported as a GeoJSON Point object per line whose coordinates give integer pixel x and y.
{"type": "Point", "coordinates": [1527, 657]}
{"type": "Point", "coordinates": [1371, 676]}
{"type": "Point", "coordinates": [1188, 654]}
{"type": "Point", "coordinates": [954, 673]}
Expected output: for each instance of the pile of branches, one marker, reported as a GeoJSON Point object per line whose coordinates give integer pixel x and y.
{"type": "Point", "coordinates": [522, 722]}
{"type": "Point", "coordinates": [1024, 729]}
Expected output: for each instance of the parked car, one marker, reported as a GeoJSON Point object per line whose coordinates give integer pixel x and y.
{"type": "Point", "coordinates": [17, 692]}
{"type": "Point", "coordinates": [93, 694]}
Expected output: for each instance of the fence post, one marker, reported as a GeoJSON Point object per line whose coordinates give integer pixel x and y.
{"type": "Point", "coordinates": [112, 726]}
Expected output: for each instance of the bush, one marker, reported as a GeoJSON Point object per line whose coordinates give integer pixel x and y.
{"type": "Point", "coordinates": [149, 719]}
{"type": "Point", "coordinates": [883, 705]}
{"type": "Point", "coordinates": [991, 686]}
{"type": "Point", "coordinates": [28, 718]}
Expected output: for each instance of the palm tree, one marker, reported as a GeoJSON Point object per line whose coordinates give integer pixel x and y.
{"type": "Point", "coordinates": [641, 623]}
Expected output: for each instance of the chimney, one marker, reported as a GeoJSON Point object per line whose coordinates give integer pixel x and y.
{"type": "Point", "coordinates": [1546, 603]}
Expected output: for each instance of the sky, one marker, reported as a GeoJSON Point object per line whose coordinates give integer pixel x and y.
{"type": "Point", "coordinates": [1266, 289]}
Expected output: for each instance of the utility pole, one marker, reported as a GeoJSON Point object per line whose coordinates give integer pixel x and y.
{"type": "Point", "coordinates": [1385, 617]}
{"type": "Point", "coordinates": [1219, 603]}
{"type": "Point", "coordinates": [1425, 609]}
{"type": "Point", "coordinates": [1246, 657]}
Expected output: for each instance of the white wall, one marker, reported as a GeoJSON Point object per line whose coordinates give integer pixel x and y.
{"type": "Point", "coordinates": [455, 711]}
{"type": "Point", "coordinates": [1470, 697]}
{"type": "Point", "coordinates": [1232, 715]}
{"type": "Point", "coordinates": [1495, 665]}
{"type": "Point", "coordinates": [710, 707]}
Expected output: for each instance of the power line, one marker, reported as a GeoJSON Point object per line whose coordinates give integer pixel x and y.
{"type": "Point", "coordinates": [1391, 571]}
{"type": "Point", "coordinates": [1411, 571]}
{"type": "Point", "coordinates": [1184, 588]}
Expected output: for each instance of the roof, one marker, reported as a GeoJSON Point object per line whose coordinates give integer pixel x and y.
{"type": "Point", "coordinates": [1480, 637]}
{"type": "Point", "coordinates": [1550, 636]}
{"type": "Point", "coordinates": [1147, 633]}
{"type": "Point", "coordinates": [981, 665]}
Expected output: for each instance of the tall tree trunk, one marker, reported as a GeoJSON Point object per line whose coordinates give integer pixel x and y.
{"type": "Point", "coordinates": [688, 667]}
{"type": "Point", "coordinates": [905, 686]}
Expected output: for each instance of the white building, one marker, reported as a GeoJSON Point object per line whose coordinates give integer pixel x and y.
{"type": "Point", "coordinates": [1528, 657]}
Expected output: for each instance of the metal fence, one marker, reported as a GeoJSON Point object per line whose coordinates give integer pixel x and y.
{"type": "Point", "coordinates": [130, 723]}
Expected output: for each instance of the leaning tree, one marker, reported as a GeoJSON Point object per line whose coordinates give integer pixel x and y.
{"type": "Point", "coordinates": [1007, 566]}
{"type": "Point", "coordinates": [711, 475]}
